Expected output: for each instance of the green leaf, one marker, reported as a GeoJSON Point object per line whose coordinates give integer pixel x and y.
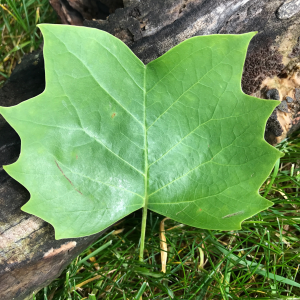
{"type": "Point", "coordinates": [110, 135]}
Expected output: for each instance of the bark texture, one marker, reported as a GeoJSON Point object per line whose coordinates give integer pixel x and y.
{"type": "Point", "coordinates": [74, 12]}
{"type": "Point", "coordinates": [29, 256]}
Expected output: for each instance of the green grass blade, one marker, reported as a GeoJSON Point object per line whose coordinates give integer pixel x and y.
{"type": "Point", "coordinates": [273, 176]}
{"type": "Point", "coordinates": [16, 48]}
{"type": "Point", "coordinates": [26, 14]}
{"type": "Point", "coordinates": [95, 252]}
{"type": "Point", "coordinates": [17, 15]}
{"type": "Point", "coordinates": [141, 291]}
{"type": "Point", "coordinates": [259, 269]}
{"type": "Point", "coordinates": [92, 297]}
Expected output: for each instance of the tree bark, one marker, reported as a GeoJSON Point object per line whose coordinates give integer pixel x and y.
{"type": "Point", "coordinates": [29, 256]}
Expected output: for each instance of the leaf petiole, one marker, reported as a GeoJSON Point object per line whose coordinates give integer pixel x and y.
{"type": "Point", "coordinates": [142, 244]}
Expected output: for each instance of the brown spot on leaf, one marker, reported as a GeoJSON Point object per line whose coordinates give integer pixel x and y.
{"type": "Point", "coordinates": [66, 177]}
{"type": "Point", "coordinates": [113, 115]}
{"type": "Point", "coordinates": [234, 214]}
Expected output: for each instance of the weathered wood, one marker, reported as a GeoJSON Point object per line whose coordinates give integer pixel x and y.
{"type": "Point", "coordinates": [149, 28]}
{"type": "Point", "coordinates": [74, 12]}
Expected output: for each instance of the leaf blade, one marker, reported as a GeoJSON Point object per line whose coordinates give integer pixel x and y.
{"type": "Point", "coordinates": [109, 135]}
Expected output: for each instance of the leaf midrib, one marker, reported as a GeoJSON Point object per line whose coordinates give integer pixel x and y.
{"type": "Point", "coordinates": [145, 144]}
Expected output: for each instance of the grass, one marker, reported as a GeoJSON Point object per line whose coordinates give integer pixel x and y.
{"type": "Point", "coordinates": [19, 34]}
{"type": "Point", "coordinates": [260, 261]}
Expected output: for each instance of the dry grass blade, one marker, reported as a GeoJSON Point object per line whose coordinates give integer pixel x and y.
{"type": "Point", "coordinates": [78, 286]}
{"type": "Point", "coordinates": [163, 246]}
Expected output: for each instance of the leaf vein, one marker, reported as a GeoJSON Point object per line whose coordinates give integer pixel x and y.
{"type": "Point", "coordinates": [176, 65]}
{"type": "Point", "coordinates": [202, 164]}
{"type": "Point", "coordinates": [193, 132]}
{"type": "Point", "coordinates": [188, 90]}
{"type": "Point", "coordinates": [120, 64]}
{"type": "Point", "coordinates": [99, 141]}
{"type": "Point", "coordinates": [92, 75]}
{"type": "Point", "coordinates": [99, 181]}
{"type": "Point", "coordinates": [201, 198]}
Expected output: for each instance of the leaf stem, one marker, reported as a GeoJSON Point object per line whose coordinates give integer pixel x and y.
{"type": "Point", "coordinates": [143, 232]}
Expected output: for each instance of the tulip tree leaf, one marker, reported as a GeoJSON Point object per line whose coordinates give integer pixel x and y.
{"type": "Point", "coordinates": [110, 135]}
